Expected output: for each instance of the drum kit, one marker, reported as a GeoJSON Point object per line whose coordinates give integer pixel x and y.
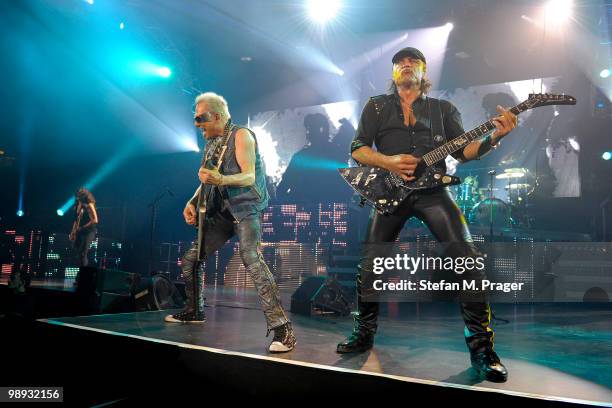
{"type": "Point", "coordinates": [481, 206]}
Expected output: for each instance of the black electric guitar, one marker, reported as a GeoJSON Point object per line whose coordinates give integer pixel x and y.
{"type": "Point", "coordinates": [386, 190]}
{"type": "Point", "coordinates": [212, 160]}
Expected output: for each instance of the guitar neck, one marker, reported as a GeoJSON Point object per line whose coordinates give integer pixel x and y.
{"type": "Point", "coordinates": [458, 143]}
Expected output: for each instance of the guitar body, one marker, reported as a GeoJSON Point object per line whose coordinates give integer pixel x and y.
{"type": "Point", "coordinates": [386, 190]}
{"type": "Point", "coordinates": [201, 211]}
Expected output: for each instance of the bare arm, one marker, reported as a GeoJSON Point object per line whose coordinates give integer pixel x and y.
{"type": "Point", "coordinates": [93, 216]}
{"type": "Point", "coordinates": [245, 156]}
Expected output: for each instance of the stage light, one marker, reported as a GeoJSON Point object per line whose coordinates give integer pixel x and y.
{"type": "Point", "coordinates": [558, 11]}
{"type": "Point", "coordinates": [106, 169]}
{"type": "Point", "coordinates": [20, 205]}
{"type": "Point", "coordinates": [604, 73]}
{"type": "Point", "coordinates": [164, 72]}
{"type": "Point", "coordinates": [449, 26]}
{"type": "Point", "coordinates": [323, 11]}
{"type": "Point", "coordinates": [574, 143]}
{"type": "Point", "coordinates": [121, 25]}
{"type": "Point", "coordinates": [151, 69]}
{"type": "Point", "coordinates": [90, 2]}
{"type": "Point", "coordinates": [606, 156]}
{"type": "Point", "coordinates": [190, 144]}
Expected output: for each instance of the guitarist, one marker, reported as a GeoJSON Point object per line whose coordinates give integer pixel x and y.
{"type": "Point", "coordinates": [236, 196]}
{"type": "Point", "coordinates": [400, 125]}
{"type": "Point", "coordinates": [83, 233]}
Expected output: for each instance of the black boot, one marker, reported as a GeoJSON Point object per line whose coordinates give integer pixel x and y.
{"type": "Point", "coordinates": [362, 337]}
{"type": "Point", "coordinates": [358, 342]}
{"type": "Point", "coordinates": [488, 365]}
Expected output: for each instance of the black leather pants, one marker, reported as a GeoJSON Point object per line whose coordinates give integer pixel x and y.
{"type": "Point", "coordinates": [218, 229]}
{"type": "Point", "coordinates": [444, 219]}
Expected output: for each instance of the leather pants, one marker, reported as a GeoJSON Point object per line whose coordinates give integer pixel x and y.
{"type": "Point", "coordinates": [438, 211]}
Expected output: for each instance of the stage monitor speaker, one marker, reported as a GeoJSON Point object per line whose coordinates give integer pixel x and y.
{"type": "Point", "coordinates": [159, 293]}
{"type": "Point", "coordinates": [583, 280]}
{"type": "Point", "coordinates": [105, 290]}
{"type": "Point", "coordinates": [320, 295]}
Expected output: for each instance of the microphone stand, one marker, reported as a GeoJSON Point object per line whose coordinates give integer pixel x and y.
{"type": "Point", "coordinates": [491, 175]}
{"type": "Point", "coordinates": [490, 261]}
{"type": "Point", "coordinates": [153, 206]}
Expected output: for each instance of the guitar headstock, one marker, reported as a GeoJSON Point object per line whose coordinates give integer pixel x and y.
{"type": "Point", "coordinates": [537, 100]}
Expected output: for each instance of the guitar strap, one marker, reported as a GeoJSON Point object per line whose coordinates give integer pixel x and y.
{"type": "Point", "coordinates": [436, 121]}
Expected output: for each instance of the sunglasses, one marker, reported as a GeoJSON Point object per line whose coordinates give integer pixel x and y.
{"type": "Point", "coordinates": [204, 117]}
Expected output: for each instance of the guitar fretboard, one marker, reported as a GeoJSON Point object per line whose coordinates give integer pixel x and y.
{"type": "Point", "coordinates": [458, 143]}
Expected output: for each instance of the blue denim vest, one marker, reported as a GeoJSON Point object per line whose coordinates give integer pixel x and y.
{"type": "Point", "coordinates": [244, 201]}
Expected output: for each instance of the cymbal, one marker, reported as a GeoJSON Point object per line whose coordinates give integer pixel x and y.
{"type": "Point", "coordinates": [510, 174]}
{"type": "Point", "coordinates": [517, 186]}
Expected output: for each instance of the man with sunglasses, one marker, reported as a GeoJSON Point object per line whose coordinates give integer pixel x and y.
{"type": "Point", "coordinates": [401, 125]}
{"type": "Point", "coordinates": [236, 196]}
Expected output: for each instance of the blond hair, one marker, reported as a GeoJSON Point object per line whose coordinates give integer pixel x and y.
{"type": "Point", "coordinates": [215, 102]}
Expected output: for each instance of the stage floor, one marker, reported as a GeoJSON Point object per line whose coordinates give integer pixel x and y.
{"type": "Point", "coordinates": [554, 352]}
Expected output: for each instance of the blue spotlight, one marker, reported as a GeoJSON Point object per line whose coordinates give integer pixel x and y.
{"type": "Point", "coordinates": [106, 169]}
{"type": "Point", "coordinates": [121, 25]}
{"type": "Point", "coordinates": [190, 144]}
{"type": "Point", "coordinates": [90, 2]}
{"type": "Point", "coordinates": [606, 156]}
{"type": "Point", "coordinates": [604, 73]}
{"type": "Point", "coordinates": [151, 69]}
{"type": "Point", "coordinates": [323, 11]}
{"type": "Point", "coordinates": [164, 72]}
{"type": "Point", "coordinates": [20, 207]}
